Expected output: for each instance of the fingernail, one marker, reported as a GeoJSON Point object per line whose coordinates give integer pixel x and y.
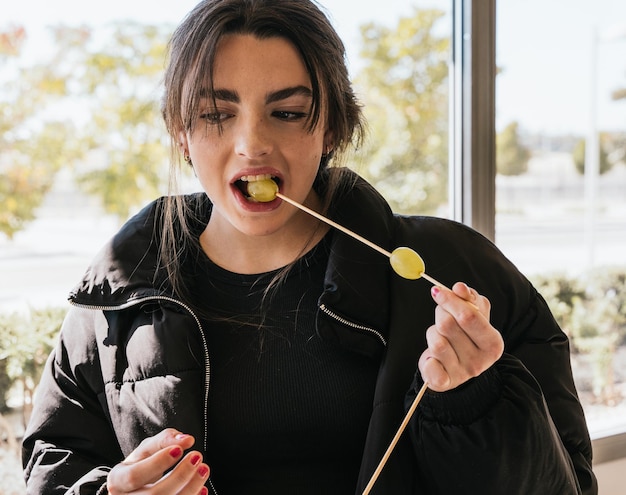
{"type": "Point", "coordinates": [434, 290]}
{"type": "Point", "coordinates": [204, 491]}
{"type": "Point", "coordinates": [176, 451]}
{"type": "Point", "coordinates": [181, 436]}
{"type": "Point", "coordinates": [203, 471]}
{"type": "Point", "coordinates": [195, 459]}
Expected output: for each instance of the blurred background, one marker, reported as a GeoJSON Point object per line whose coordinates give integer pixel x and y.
{"type": "Point", "coordinates": [82, 147]}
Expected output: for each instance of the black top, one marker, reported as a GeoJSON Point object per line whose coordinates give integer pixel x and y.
{"type": "Point", "coordinates": [288, 413]}
{"type": "Point", "coordinates": [131, 360]}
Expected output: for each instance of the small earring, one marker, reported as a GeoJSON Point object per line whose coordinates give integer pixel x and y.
{"type": "Point", "coordinates": [187, 158]}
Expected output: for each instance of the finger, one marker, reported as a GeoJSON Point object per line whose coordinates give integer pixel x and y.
{"type": "Point", "coordinates": [187, 478]}
{"type": "Point", "coordinates": [476, 325]}
{"type": "Point", "coordinates": [438, 339]}
{"type": "Point", "coordinates": [476, 342]}
{"type": "Point", "coordinates": [165, 438]}
{"type": "Point", "coordinates": [125, 478]}
{"type": "Point", "coordinates": [450, 346]}
{"type": "Point", "coordinates": [472, 296]}
{"type": "Point", "coordinates": [457, 351]}
{"type": "Point", "coordinates": [434, 373]}
{"type": "Point", "coordinates": [466, 315]}
{"type": "Point", "coordinates": [449, 342]}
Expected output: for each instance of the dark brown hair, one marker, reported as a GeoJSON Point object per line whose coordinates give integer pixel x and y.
{"type": "Point", "coordinates": [189, 71]}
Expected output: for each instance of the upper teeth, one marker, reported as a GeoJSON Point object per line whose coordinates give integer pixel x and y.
{"type": "Point", "coordinates": [253, 178]}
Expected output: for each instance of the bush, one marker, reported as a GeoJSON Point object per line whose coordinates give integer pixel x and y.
{"type": "Point", "coordinates": [26, 340]}
{"type": "Point", "coordinates": [592, 311]}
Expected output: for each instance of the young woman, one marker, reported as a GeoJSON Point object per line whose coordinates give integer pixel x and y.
{"type": "Point", "coordinates": [223, 345]}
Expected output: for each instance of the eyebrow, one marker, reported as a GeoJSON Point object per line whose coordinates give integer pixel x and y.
{"type": "Point", "coordinates": [272, 97]}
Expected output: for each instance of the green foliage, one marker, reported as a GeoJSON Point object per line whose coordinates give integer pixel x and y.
{"type": "Point", "coordinates": [5, 384]}
{"type": "Point", "coordinates": [92, 106]}
{"type": "Point", "coordinates": [511, 155]}
{"type": "Point", "coordinates": [404, 88]}
{"type": "Point", "coordinates": [579, 157]}
{"type": "Point", "coordinates": [119, 81]}
{"type": "Point", "coordinates": [33, 144]}
{"type": "Point", "coordinates": [563, 294]}
{"type": "Point", "coordinates": [26, 340]}
{"type": "Point", "coordinates": [592, 311]}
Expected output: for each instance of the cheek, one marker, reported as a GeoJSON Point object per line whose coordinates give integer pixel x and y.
{"type": "Point", "coordinates": [310, 147]}
{"type": "Point", "coordinates": [206, 156]}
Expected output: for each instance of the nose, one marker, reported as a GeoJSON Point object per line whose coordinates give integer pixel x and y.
{"type": "Point", "coordinates": [253, 139]}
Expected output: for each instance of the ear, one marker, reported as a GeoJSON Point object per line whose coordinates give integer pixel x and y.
{"type": "Point", "coordinates": [183, 144]}
{"type": "Point", "coordinates": [329, 143]}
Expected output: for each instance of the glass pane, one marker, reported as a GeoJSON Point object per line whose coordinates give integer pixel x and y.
{"type": "Point", "coordinates": [561, 91]}
{"type": "Point", "coordinates": [399, 65]}
{"type": "Point", "coordinates": [399, 54]}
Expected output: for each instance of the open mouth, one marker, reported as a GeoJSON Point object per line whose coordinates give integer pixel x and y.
{"type": "Point", "coordinates": [242, 183]}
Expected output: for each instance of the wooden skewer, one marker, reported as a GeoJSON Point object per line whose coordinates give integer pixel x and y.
{"type": "Point", "coordinates": [433, 281]}
{"type": "Point", "coordinates": [350, 233]}
{"type": "Point", "coordinates": [422, 391]}
{"type": "Point", "coordinates": [334, 224]}
{"type": "Point", "coordinates": [395, 439]}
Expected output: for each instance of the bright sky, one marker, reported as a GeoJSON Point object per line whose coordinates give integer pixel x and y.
{"type": "Point", "coordinates": [545, 56]}
{"type": "Point", "coordinates": [544, 48]}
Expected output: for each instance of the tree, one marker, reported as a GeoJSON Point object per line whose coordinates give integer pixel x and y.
{"type": "Point", "coordinates": [579, 157]}
{"type": "Point", "coordinates": [591, 309]}
{"type": "Point", "coordinates": [511, 155]}
{"type": "Point", "coordinates": [92, 106]}
{"type": "Point", "coordinates": [26, 340]}
{"type": "Point", "coordinates": [404, 88]}
{"type": "Point", "coordinates": [600, 327]}
{"type": "Point", "coordinates": [118, 84]}
{"type": "Point", "coordinates": [34, 141]}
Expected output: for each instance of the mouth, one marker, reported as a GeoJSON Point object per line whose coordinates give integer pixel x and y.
{"type": "Point", "coordinates": [242, 184]}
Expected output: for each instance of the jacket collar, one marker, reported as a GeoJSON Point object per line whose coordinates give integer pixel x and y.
{"type": "Point", "coordinates": [127, 267]}
{"type": "Point", "coordinates": [357, 279]}
{"type": "Point", "coordinates": [356, 283]}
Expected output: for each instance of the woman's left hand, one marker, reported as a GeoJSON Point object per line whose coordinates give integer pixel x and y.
{"type": "Point", "coordinates": [462, 343]}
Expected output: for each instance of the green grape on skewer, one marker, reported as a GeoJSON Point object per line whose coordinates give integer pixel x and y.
{"type": "Point", "coordinates": [404, 261]}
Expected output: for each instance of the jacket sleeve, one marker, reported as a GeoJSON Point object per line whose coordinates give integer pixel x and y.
{"type": "Point", "coordinates": [519, 427]}
{"type": "Point", "coordinates": [496, 435]}
{"type": "Point", "coordinates": [69, 445]}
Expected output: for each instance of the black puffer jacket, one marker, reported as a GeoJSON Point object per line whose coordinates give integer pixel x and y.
{"type": "Point", "coordinates": [131, 360]}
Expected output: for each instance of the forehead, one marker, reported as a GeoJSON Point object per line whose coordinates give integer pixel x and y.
{"type": "Point", "coordinates": [250, 61]}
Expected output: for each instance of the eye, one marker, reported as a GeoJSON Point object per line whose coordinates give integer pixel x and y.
{"type": "Point", "coordinates": [214, 117]}
{"type": "Point", "coordinates": [289, 116]}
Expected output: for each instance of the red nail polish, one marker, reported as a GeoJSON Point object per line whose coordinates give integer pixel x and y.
{"type": "Point", "coordinates": [195, 459]}
{"type": "Point", "coordinates": [435, 291]}
{"type": "Point", "coordinates": [202, 471]}
{"type": "Point", "coordinates": [204, 491]}
{"type": "Point", "coordinates": [176, 451]}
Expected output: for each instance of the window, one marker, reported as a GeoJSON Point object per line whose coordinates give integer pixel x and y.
{"type": "Point", "coordinates": [561, 74]}
{"type": "Point", "coordinates": [560, 90]}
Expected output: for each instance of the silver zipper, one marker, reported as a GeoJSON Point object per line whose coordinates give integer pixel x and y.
{"type": "Point", "coordinates": [351, 324]}
{"type": "Point", "coordinates": [134, 302]}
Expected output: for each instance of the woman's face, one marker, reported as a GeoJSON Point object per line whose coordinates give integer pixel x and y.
{"type": "Point", "coordinates": [262, 101]}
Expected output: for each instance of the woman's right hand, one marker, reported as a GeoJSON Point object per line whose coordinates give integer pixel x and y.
{"type": "Point", "coordinates": [143, 471]}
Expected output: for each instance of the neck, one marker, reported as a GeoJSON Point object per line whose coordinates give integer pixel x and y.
{"type": "Point", "coordinates": [249, 254]}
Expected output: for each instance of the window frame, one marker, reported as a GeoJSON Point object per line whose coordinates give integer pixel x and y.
{"type": "Point", "coordinates": [472, 178]}
{"type": "Point", "coordinates": [472, 115]}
